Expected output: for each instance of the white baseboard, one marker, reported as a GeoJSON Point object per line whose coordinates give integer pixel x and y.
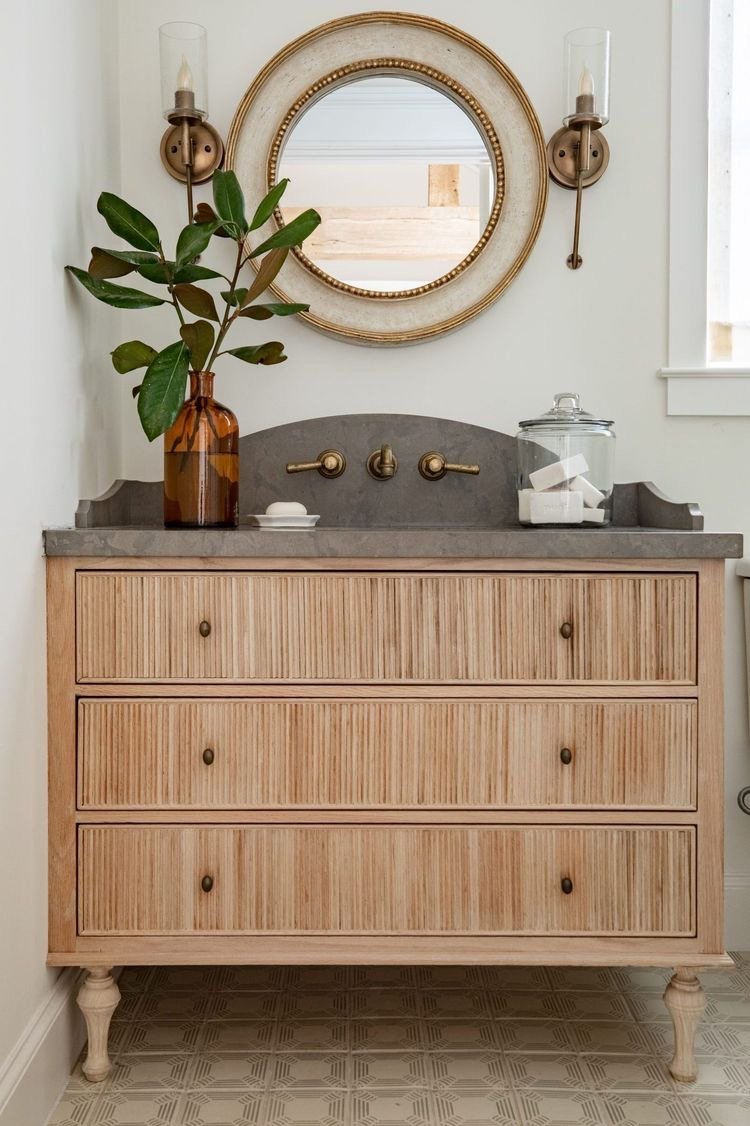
{"type": "Point", "coordinates": [737, 912]}
{"type": "Point", "coordinates": [38, 1068]}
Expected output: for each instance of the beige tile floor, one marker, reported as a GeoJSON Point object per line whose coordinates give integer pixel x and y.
{"type": "Point", "coordinates": [330, 1046]}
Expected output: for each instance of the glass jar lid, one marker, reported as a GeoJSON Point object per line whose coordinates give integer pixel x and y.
{"type": "Point", "coordinates": [566, 410]}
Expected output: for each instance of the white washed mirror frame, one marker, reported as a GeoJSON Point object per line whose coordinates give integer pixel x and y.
{"type": "Point", "coordinates": [436, 47]}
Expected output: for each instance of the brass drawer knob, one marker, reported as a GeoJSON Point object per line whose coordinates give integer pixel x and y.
{"type": "Point", "coordinates": [566, 756]}
{"type": "Point", "coordinates": [566, 631]}
{"type": "Point", "coordinates": [208, 756]}
{"type": "Point", "coordinates": [567, 885]}
{"type": "Point", "coordinates": [207, 883]}
{"type": "Point", "coordinates": [204, 628]}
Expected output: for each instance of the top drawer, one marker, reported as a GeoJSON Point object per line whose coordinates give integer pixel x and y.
{"type": "Point", "coordinates": [392, 628]}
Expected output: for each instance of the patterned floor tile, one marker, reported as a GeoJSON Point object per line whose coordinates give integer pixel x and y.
{"type": "Point", "coordinates": [720, 1110]}
{"type": "Point", "coordinates": [238, 1035]}
{"type": "Point", "coordinates": [139, 1108]}
{"type": "Point", "coordinates": [559, 1108]}
{"type": "Point", "coordinates": [474, 1108]}
{"type": "Point", "coordinates": [325, 1070]}
{"type": "Point", "coordinates": [130, 1005]}
{"type": "Point", "coordinates": [244, 1006]}
{"type": "Point", "coordinates": [389, 977]}
{"type": "Point", "coordinates": [75, 1109]}
{"type": "Point", "coordinates": [728, 1007]}
{"type": "Point", "coordinates": [710, 1039]}
{"type": "Point", "coordinates": [458, 1035]}
{"type": "Point", "coordinates": [536, 1035]}
{"type": "Point", "coordinates": [203, 978]}
{"type": "Point", "coordinates": [135, 979]}
{"type": "Point", "coordinates": [627, 1073]}
{"type": "Point", "coordinates": [450, 977]}
{"type": "Point", "coordinates": [235, 978]}
{"type": "Point", "coordinates": [397, 1004]}
{"type": "Point", "coordinates": [546, 1070]}
{"type": "Point", "coordinates": [721, 1076]}
{"type": "Point", "coordinates": [514, 1005]}
{"type": "Point", "coordinates": [611, 1037]}
{"type": "Point", "coordinates": [223, 1108]}
{"type": "Point", "coordinates": [390, 1070]}
{"type": "Point", "coordinates": [319, 977]}
{"type": "Point", "coordinates": [391, 1108]}
{"type": "Point", "coordinates": [650, 1109]}
{"type": "Point", "coordinates": [381, 1035]}
{"type": "Point", "coordinates": [313, 1035]}
{"type": "Point", "coordinates": [473, 1070]}
{"type": "Point", "coordinates": [593, 1006]}
{"type": "Point", "coordinates": [176, 1005]}
{"type": "Point", "coordinates": [306, 1108]}
{"type": "Point", "coordinates": [151, 1072]}
{"type": "Point", "coordinates": [515, 978]}
{"type": "Point", "coordinates": [580, 978]}
{"type": "Point", "coordinates": [641, 979]}
{"type": "Point", "coordinates": [458, 1003]}
{"type": "Point", "coordinates": [239, 1071]}
{"type": "Point", "coordinates": [159, 1036]}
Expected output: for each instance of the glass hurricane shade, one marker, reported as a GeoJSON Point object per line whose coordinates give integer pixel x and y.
{"type": "Point", "coordinates": [184, 83]}
{"type": "Point", "coordinates": [587, 54]}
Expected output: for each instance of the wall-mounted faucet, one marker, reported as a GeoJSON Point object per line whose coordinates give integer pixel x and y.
{"type": "Point", "coordinates": [433, 466]}
{"type": "Point", "coordinates": [329, 463]}
{"type": "Point", "coordinates": [382, 464]}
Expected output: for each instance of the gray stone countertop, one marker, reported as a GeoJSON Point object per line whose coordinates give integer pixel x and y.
{"type": "Point", "coordinates": [247, 542]}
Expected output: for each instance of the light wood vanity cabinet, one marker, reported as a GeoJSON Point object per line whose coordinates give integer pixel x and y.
{"type": "Point", "coordinates": [371, 761]}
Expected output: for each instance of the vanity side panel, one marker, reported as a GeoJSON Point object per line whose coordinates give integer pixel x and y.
{"type": "Point", "coordinates": [61, 760]}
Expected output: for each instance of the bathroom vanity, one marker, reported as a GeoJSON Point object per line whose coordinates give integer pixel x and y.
{"type": "Point", "coordinates": [415, 734]}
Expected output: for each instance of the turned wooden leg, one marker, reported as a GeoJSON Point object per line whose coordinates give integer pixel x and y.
{"type": "Point", "coordinates": [685, 999]}
{"type": "Point", "coordinates": [97, 999]}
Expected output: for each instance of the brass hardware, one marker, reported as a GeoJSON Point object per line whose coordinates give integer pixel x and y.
{"type": "Point", "coordinates": [566, 756]}
{"type": "Point", "coordinates": [382, 464]}
{"type": "Point", "coordinates": [577, 156]}
{"type": "Point", "coordinates": [206, 149]}
{"type": "Point", "coordinates": [207, 883]}
{"type": "Point", "coordinates": [204, 628]}
{"type": "Point", "coordinates": [329, 463]}
{"type": "Point", "coordinates": [433, 466]}
{"type": "Point", "coordinates": [567, 885]}
{"type": "Point", "coordinates": [743, 799]}
{"type": "Point", "coordinates": [208, 756]}
{"type": "Point", "coordinates": [566, 631]}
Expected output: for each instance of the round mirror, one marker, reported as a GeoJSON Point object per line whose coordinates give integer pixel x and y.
{"type": "Point", "coordinates": [402, 177]}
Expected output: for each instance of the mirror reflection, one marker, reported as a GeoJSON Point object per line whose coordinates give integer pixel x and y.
{"type": "Point", "coordinates": [401, 176]}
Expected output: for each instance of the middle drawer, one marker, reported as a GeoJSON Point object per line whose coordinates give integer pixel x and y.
{"type": "Point", "coordinates": [253, 754]}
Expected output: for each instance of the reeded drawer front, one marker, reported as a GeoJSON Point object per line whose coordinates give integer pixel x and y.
{"type": "Point", "coordinates": [396, 628]}
{"type": "Point", "coordinates": [386, 880]}
{"type": "Point", "coordinates": [244, 754]}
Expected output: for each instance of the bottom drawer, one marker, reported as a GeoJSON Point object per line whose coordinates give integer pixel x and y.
{"type": "Point", "coordinates": [408, 879]}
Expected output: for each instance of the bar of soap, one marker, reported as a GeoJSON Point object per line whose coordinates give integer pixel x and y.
{"type": "Point", "coordinates": [286, 508]}
{"type": "Point", "coordinates": [524, 508]}
{"type": "Point", "coordinates": [592, 497]}
{"type": "Point", "coordinates": [561, 507]}
{"type": "Point", "coordinates": [593, 515]}
{"type": "Point", "coordinates": [559, 472]}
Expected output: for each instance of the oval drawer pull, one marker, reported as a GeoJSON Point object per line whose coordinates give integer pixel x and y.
{"type": "Point", "coordinates": [567, 885]}
{"type": "Point", "coordinates": [566, 631]}
{"type": "Point", "coordinates": [207, 883]}
{"type": "Point", "coordinates": [208, 756]}
{"type": "Point", "coordinates": [566, 756]}
{"type": "Point", "coordinates": [204, 628]}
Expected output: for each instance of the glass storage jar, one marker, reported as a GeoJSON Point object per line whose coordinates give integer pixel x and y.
{"type": "Point", "coordinates": [565, 466]}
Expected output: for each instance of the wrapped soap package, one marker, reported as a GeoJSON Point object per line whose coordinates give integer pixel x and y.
{"type": "Point", "coordinates": [565, 466]}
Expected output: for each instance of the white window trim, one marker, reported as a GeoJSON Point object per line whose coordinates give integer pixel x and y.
{"type": "Point", "coordinates": [693, 386]}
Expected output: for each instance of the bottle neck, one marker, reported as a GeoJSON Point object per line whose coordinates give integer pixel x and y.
{"type": "Point", "coordinates": [201, 384]}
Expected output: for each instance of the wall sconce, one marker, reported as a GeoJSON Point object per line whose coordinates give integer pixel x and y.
{"type": "Point", "coordinates": [578, 154]}
{"type": "Point", "coordinates": [191, 149]}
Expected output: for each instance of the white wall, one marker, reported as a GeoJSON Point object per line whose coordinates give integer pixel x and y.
{"type": "Point", "coordinates": [60, 429]}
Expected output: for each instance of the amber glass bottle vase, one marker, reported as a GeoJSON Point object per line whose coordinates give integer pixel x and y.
{"type": "Point", "coordinates": [201, 461]}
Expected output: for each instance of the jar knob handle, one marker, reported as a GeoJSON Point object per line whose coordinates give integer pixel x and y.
{"type": "Point", "coordinates": [567, 401]}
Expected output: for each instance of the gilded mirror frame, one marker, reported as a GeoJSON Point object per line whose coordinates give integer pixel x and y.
{"type": "Point", "coordinates": [454, 63]}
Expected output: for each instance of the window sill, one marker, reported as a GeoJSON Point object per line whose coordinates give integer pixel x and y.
{"type": "Point", "coordinates": [709, 391]}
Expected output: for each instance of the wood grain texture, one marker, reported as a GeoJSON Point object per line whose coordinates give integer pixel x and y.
{"type": "Point", "coordinates": [393, 628]}
{"type": "Point", "coordinates": [149, 754]}
{"type": "Point", "coordinates": [386, 880]}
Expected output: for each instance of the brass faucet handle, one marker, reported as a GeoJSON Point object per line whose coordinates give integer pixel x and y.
{"type": "Point", "coordinates": [433, 466]}
{"type": "Point", "coordinates": [329, 463]}
{"type": "Point", "coordinates": [382, 464]}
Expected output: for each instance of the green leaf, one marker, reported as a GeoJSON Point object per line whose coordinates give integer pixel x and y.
{"type": "Point", "coordinates": [270, 353]}
{"type": "Point", "coordinates": [163, 390]}
{"type": "Point", "coordinates": [234, 296]}
{"type": "Point", "coordinates": [266, 206]}
{"type": "Point", "coordinates": [267, 271]}
{"type": "Point", "coordinates": [125, 221]}
{"type": "Point", "coordinates": [291, 234]}
{"type": "Point", "coordinates": [116, 295]}
{"type": "Point", "coordinates": [229, 201]}
{"type": "Point", "coordinates": [204, 213]}
{"type": "Point", "coordinates": [192, 242]}
{"type": "Point", "coordinates": [135, 257]}
{"type": "Point", "coordinates": [199, 338]}
{"type": "Point", "coordinates": [105, 265]}
{"type": "Point", "coordinates": [131, 355]}
{"type": "Point", "coordinates": [272, 309]}
{"type": "Point", "coordinates": [159, 272]}
{"type": "Point", "coordinates": [197, 301]}
{"type": "Point", "coordinates": [196, 273]}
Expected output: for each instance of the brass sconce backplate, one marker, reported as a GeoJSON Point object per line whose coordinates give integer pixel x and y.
{"type": "Point", "coordinates": [208, 152]}
{"type": "Point", "coordinates": [562, 158]}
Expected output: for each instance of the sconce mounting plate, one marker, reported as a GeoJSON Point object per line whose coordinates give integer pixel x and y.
{"type": "Point", "coordinates": [208, 152]}
{"type": "Point", "coordinates": [562, 157]}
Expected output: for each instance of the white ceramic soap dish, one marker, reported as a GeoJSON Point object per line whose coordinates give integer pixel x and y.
{"type": "Point", "coordinates": [284, 520]}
